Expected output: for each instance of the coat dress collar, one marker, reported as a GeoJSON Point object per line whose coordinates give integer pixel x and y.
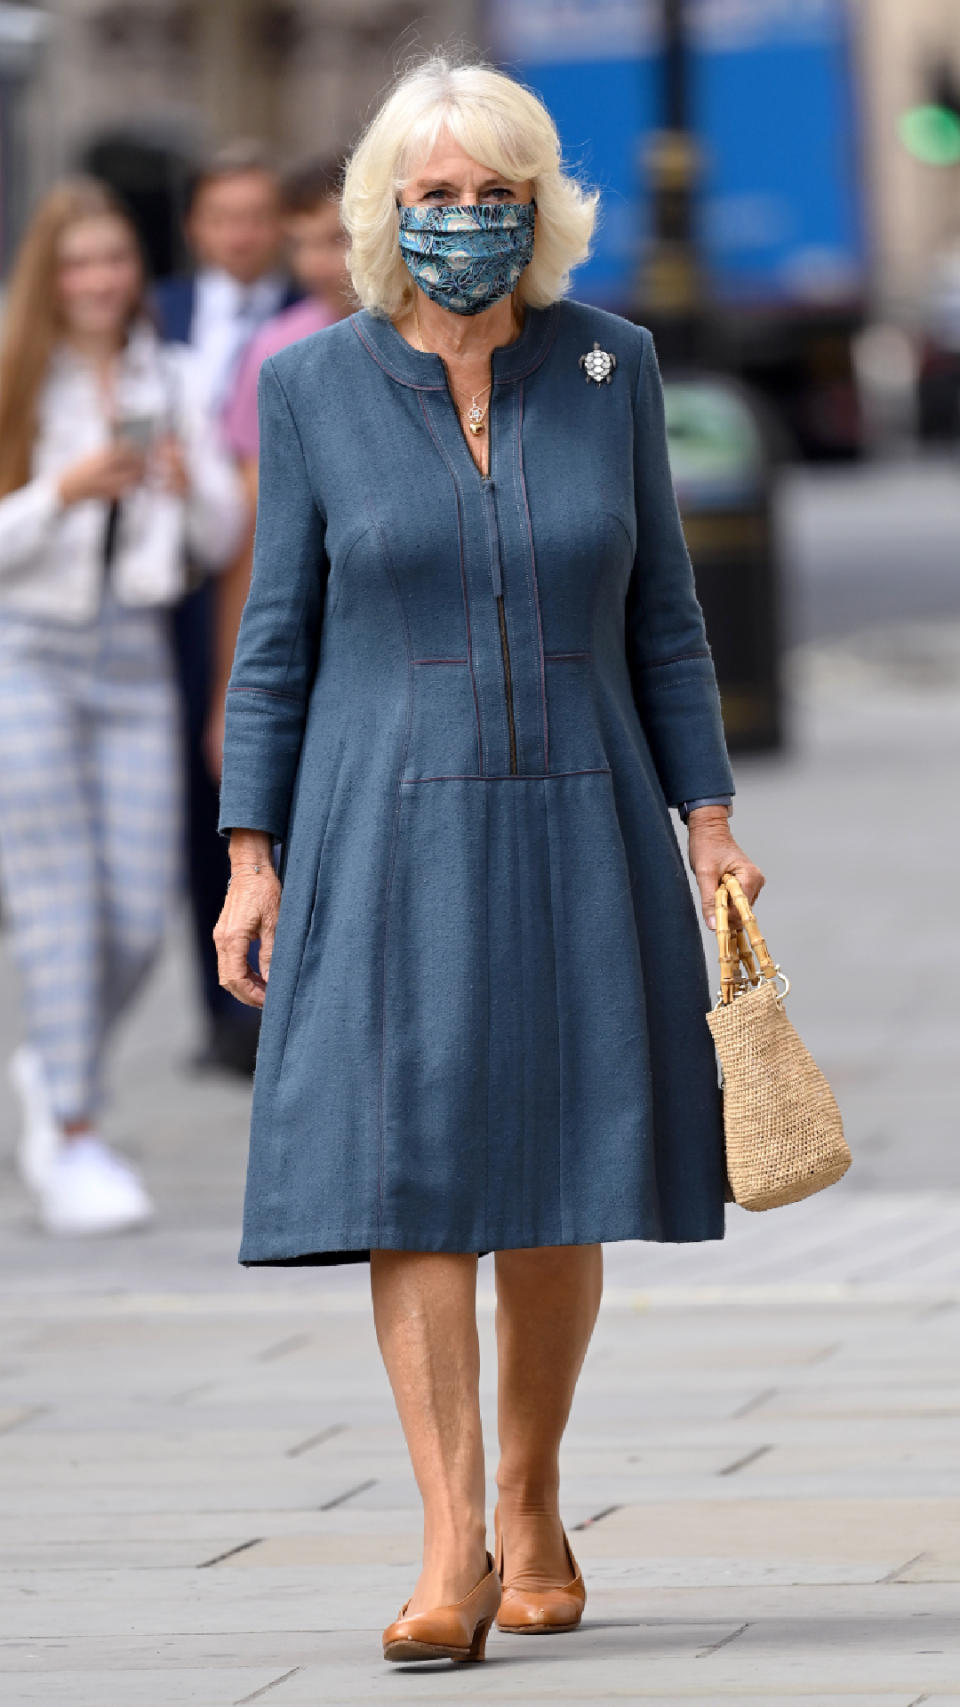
{"type": "Point", "coordinates": [424, 370]}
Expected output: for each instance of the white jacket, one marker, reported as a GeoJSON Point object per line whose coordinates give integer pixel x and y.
{"type": "Point", "coordinates": [51, 554]}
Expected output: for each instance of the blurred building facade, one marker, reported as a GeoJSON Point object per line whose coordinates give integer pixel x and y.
{"type": "Point", "coordinates": [905, 51]}
{"type": "Point", "coordinates": [148, 84]}
{"type": "Point", "coordinates": [167, 79]}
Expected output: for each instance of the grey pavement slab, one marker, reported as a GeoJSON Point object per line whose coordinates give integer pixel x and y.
{"type": "Point", "coordinates": [204, 1492]}
{"type": "Point", "coordinates": [136, 1558]}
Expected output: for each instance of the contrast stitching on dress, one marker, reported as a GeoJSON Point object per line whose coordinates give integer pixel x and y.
{"type": "Point", "coordinates": [505, 776]}
{"type": "Point", "coordinates": [439, 660]}
{"type": "Point", "coordinates": [463, 577]}
{"type": "Point", "coordinates": [504, 379]}
{"type": "Point", "coordinates": [516, 862]}
{"type": "Point", "coordinates": [621, 524]}
{"type": "Point", "coordinates": [554, 886]}
{"type": "Point", "coordinates": [633, 605]}
{"type": "Point", "coordinates": [270, 693]}
{"type": "Point", "coordinates": [548, 342]}
{"type": "Point", "coordinates": [293, 422]}
{"type": "Point", "coordinates": [414, 384]}
{"type": "Point", "coordinates": [269, 369]}
{"type": "Point", "coordinates": [331, 792]}
{"type": "Point", "coordinates": [388, 889]}
{"type": "Point", "coordinates": [561, 657]}
{"type": "Point", "coordinates": [533, 571]}
{"type": "Point", "coordinates": [338, 572]}
{"type": "Point", "coordinates": [677, 658]}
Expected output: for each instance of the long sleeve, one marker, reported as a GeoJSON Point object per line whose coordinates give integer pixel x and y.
{"type": "Point", "coordinates": [216, 511]}
{"type": "Point", "coordinates": [28, 520]}
{"type": "Point", "coordinates": [685, 807]}
{"type": "Point", "coordinates": [671, 667]}
{"type": "Point", "coordinates": [277, 646]}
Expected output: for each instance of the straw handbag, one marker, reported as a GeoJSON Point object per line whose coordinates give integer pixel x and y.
{"type": "Point", "coordinates": [784, 1135]}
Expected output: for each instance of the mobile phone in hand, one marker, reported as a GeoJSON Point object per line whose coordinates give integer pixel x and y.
{"type": "Point", "coordinates": [137, 431]}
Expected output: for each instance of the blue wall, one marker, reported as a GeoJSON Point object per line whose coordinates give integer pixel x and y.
{"type": "Point", "coordinates": [779, 211]}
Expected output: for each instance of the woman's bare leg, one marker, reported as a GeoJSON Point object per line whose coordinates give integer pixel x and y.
{"type": "Point", "coordinates": [547, 1304]}
{"type": "Point", "coordinates": [424, 1309]}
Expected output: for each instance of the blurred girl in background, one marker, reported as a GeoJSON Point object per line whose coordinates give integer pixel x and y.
{"type": "Point", "coordinates": [109, 473]}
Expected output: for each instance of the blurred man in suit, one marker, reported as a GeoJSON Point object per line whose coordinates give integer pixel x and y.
{"type": "Point", "coordinates": [317, 248]}
{"type": "Point", "coordinates": [234, 227]}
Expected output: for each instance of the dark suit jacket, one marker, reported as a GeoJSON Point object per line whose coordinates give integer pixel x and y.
{"type": "Point", "coordinates": [174, 299]}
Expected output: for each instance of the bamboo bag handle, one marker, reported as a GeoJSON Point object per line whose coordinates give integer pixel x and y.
{"type": "Point", "coordinates": [736, 944]}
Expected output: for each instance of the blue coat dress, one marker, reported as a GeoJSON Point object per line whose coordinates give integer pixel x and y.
{"type": "Point", "coordinates": [463, 705]}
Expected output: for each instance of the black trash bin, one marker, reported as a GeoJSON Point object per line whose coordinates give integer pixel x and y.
{"type": "Point", "coordinates": [723, 477]}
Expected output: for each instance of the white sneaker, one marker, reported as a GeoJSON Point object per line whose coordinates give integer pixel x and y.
{"type": "Point", "coordinates": [92, 1190]}
{"type": "Point", "coordinates": [40, 1137]}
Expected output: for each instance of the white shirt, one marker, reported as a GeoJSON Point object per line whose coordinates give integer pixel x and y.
{"type": "Point", "coordinates": [226, 315]}
{"type": "Point", "coordinates": [51, 554]}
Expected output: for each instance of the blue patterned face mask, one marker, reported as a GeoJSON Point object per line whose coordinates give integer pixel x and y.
{"type": "Point", "coordinates": [466, 258]}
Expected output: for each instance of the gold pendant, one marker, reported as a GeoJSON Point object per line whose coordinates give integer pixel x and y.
{"type": "Point", "coordinates": [476, 426]}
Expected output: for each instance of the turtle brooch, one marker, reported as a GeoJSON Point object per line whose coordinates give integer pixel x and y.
{"type": "Point", "coordinates": [598, 365]}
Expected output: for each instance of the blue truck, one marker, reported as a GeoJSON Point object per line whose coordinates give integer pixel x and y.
{"type": "Point", "coordinates": [779, 212]}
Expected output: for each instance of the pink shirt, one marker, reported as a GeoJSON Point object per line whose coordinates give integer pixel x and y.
{"type": "Point", "coordinates": [239, 421]}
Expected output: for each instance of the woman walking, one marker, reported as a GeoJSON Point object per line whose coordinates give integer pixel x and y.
{"type": "Point", "coordinates": [471, 678]}
{"type": "Point", "coordinates": [108, 471]}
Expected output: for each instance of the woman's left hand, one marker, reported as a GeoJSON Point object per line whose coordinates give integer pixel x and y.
{"type": "Point", "coordinates": [169, 466]}
{"type": "Point", "coordinates": [712, 853]}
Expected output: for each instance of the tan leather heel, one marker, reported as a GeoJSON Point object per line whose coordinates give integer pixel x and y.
{"type": "Point", "coordinates": [457, 1632]}
{"type": "Point", "coordinates": [539, 1611]}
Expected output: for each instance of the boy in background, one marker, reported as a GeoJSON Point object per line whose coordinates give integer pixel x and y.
{"type": "Point", "coordinates": [239, 281]}
{"type": "Point", "coordinates": [317, 255]}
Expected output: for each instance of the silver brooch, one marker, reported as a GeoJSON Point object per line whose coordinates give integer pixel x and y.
{"type": "Point", "coordinates": [598, 365]}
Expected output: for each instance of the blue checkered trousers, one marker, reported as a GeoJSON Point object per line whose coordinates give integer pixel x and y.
{"type": "Point", "coordinates": [90, 804]}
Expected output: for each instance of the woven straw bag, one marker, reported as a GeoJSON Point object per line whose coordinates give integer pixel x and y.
{"type": "Point", "coordinates": [783, 1131]}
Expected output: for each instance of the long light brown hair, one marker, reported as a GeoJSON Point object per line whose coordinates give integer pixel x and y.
{"type": "Point", "coordinates": [32, 320]}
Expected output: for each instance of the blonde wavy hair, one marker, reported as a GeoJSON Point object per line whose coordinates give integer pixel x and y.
{"type": "Point", "coordinates": [499, 123]}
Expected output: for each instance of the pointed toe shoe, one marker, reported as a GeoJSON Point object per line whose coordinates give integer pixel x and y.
{"type": "Point", "coordinates": [540, 1611]}
{"type": "Point", "coordinates": [457, 1632]}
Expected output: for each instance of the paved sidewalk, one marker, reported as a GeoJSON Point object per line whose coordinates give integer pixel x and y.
{"type": "Point", "coordinates": [204, 1491]}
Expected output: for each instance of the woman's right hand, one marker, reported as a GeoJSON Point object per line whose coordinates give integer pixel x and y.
{"type": "Point", "coordinates": [249, 912]}
{"type": "Point", "coordinates": [109, 473]}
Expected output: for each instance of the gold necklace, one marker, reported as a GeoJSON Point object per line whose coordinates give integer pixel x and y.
{"type": "Point", "coordinates": [476, 417]}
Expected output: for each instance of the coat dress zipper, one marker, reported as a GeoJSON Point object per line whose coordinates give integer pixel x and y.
{"type": "Point", "coordinates": [497, 580]}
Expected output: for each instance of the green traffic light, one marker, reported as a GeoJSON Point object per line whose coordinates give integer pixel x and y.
{"type": "Point", "coordinates": [932, 135]}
